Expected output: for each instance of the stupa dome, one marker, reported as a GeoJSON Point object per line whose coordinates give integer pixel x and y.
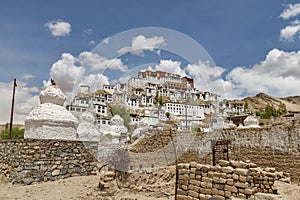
{"type": "Point", "coordinates": [52, 94]}
{"type": "Point", "coordinates": [50, 120]}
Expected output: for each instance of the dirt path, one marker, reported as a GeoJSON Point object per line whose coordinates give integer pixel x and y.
{"type": "Point", "coordinates": [84, 187]}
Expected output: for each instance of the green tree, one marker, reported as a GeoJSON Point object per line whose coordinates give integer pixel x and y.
{"type": "Point", "coordinates": [282, 108]}
{"type": "Point", "coordinates": [156, 98]}
{"type": "Point", "coordinates": [257, 113]}
{"type": "Point", "coordinates": [123, 112]}
{"type": "Point", "coordinates": [15, 134]}
{"type": "Point", "coordinates": [160, 100]}
{"type": "Point", "coordinates": [168, 115]}
{"type": "Point", "coordinates": [246, 106]}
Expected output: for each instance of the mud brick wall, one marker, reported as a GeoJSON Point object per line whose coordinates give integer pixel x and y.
{"type": "Point", "coordinates": [28, 161]}
{"type": "Point", "coordinates": [238, 179]}
{"type": "Point", "coordinates": [275, 146]}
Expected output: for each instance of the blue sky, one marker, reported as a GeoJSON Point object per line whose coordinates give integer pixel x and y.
{"type": "Point", "coordinates": [253, 38]}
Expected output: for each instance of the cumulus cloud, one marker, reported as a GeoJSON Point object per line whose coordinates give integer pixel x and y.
{"type": "Point", "coordinates": [88, 31]}
{"type": "Point", "coordinates": [70, 72]}
{"type": "Point", "coordinates": [289, 32]}
{"type": "Point", "coordinates": [92, 43]}
{"type": "Point", "coordinates": [290, 11]}
{"type": "Point", "coordinates": [25, 100]}
{"type": "Point", "coordinates": [66, 73]}
{"type": "Point", "coordinates": [98, 62]}
{"type": "Point", "coordinates": [27, 77]}
{"type": "Point", "coordinates": [58, 28]}
{"type": "Point", "coordinates": [141, 43]}
{"type": "Point", "coordinates": [106, 40]}
{"type": "Point", "coordinates": [206, 77]}
{"type": "Point", "coordinates": [277, 75]}
{"type": "Point", "coordinates": [170, 66]}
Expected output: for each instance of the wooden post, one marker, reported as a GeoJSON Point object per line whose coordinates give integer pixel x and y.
{"type": "Point", "coordinates": [176, 164]}
{"type": "Point", "coordinates": [12, 109]}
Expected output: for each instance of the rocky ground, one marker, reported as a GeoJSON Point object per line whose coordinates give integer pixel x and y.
{"type": "Point", "coordinates": [77, 188]}
{"type": "Point", "coordinates": [85, 187]}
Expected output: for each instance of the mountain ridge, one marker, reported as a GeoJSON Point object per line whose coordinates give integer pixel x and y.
{"type": "Point", "coordinates": [261, 100]}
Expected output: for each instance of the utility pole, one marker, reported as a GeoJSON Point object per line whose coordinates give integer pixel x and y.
{"type": "Point", "coordinates": [12, 109]}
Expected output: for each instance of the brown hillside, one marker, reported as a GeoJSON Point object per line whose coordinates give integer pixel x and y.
{"type": "Point", "coordinates": [261, 100]}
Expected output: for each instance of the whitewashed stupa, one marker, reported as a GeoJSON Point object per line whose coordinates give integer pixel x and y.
{"type": "Point", "coordinates": [115, 132]}
{"type": "Point", "coordinates": [50, 120]}
{"type": "Point", "coordinates": [251, 122]}
{"type": "Point", "coordinates": [86, 130]}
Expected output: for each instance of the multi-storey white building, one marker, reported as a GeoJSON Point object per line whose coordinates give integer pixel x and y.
{"type": "Point", "coordinates": [148, 98]}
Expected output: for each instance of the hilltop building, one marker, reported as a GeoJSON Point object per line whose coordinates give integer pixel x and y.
{"type": "Point", "coordinates": [153, 97]}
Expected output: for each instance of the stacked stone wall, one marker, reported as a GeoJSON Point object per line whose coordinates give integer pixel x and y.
{"type": "Point", "coordinates": [237, 179]}
{"type": "Point", "coordinates": [28, 161]}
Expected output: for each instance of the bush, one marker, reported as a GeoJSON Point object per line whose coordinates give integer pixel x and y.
{"type": "Point", "coordinates": [123, 112]}
{"type": "Point", "coordinates": [257, 113]}
{"type": "Point", "coordinates": [15, 134]}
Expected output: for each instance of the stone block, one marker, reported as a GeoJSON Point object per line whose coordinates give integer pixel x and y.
{"type": "Point", "coordinates": [223, 163]}
{"type": "Point", "coordinates": [55, 172]}
{"type": "Point", "coordinates": [181, 192]}
{"type": "Point", "coordinates": [219, 197]}
{"type": "Point", "coordinates": [227, 194]}
{"type": "Point", "coordinates": [207, 180]}
{"type": "Point", "coordinates": [203, 184]}
{"type": "Point", "coordinates": [240, 171]}
{"type": "Point", "coordinates": [248, 192]}
{"type": "Point", "coordinates": [215, 191]}
{"type": "Point", "coordinates": [205, 191]}
{"type": "Point", "coordinates": [235, 177]}
{"type": "Point", "coordinates": [195, 182]}
{"type": "Point", "coordinates": [232, 189]}
{"type": "Point", "coordinates": [227, 170]}
{"type": "Point", "coordinates": [240, 185]}
{"type": "Point", "coordinates": [242, 178]}
{"type": "Point", "coordinates": [182, 197]}
{"type": "Point", "coordinates": [202, 196]}
{"type": "Point", "coordinates": [193, 194]}
{"type": "Point", "coordinates": [241, 196]}
{"type": "Point", "coordinates": [222, 180]}
{"type": "Point", "coordinates": [229, 182]}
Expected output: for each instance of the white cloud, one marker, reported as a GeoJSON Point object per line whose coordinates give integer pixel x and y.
{"type": "Point", "coordinates": [27, 77]}
{"type": "Point", "coordinates": [106, 40]}
{"type": "Point", "coordinates": [25, 101]}
{"type": "Point", "coordinates": [95, 81]}
{"type": "Point", "coordinates": [296, 22]}
{"type": "Point", "coordinates": [170, 66]}
{"type": "Point", "coordinates": [277, 75]}
{"type": "Point", "coordinates": [141, 43]}
{"type": "Point", "coordinates": [88, 31]}
{"type": "Point", "coordinates": [70, 72]}
{"type": "Point", "coordinates": [65, 73]}
{"type": "Point", "coordinates": [92, 43]}
{"type": "Point", "coordinates": [58, 28]}
{"type": "Point", "coordinates": [98, 62]}
{"type": "Point", "coordinates": [206, 77]}
{"type": "Point", "coordinates": [289, 32]}
{"type": "Point", "coordinates": [290, 11]}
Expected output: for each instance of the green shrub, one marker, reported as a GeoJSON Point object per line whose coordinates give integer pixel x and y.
{"type": "Point", "coordinates": [15, 134]}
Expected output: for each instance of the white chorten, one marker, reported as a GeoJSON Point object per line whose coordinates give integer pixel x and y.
{"type": "Point", "coordinates": [251, 122]}
{"type": "Point", "coordinates": [50, 120]}
{"type": "Point", "coordinates": [86, 129]}
{"type": "Point", "coordinates": [115, 131]}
